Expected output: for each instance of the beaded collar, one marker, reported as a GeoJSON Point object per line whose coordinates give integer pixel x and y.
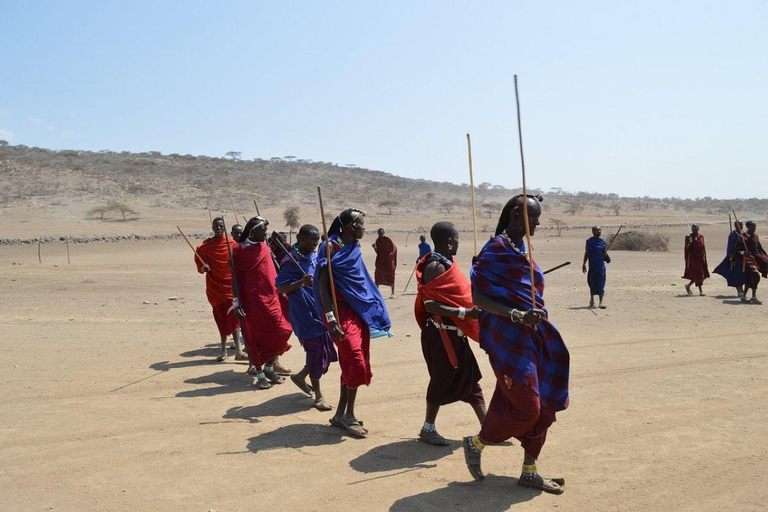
{"type": "Point", "coordinates": [524, 251]}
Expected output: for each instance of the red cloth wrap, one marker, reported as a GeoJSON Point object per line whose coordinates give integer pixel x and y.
{"type": "Point", "coordinates": [354, 349]}
{"type": "Point", "coordinates": [218, 282]}
{"type": "Point", "coordinates": [386, 261]}
{"type": "Point", "coordinates": [265, 327]}
{"type": "Point", "coordinates": [696, 261]}
{"type": "Point", "coordinates": [450, 288]}
{"type": "Point", "coordinates": [226, 322]}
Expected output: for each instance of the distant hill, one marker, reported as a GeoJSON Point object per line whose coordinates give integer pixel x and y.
{"type": "Point", "coordinates": [217, 183]}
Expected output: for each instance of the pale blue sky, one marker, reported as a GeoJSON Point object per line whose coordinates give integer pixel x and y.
{"type": "Point", "coordinates": [657, 98]}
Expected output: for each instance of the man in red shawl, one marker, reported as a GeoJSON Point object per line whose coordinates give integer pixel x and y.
{"type": "Point", "coordinates": [218, 287]}
{"type": "Point", "coordinates": [696, 270]}
{"type": "Point", "coordinates": [749, 253]}
{"type": "Point", "coordinates": [386, 261]}
{"type": "Point", "coordinates": [265, 323]}
{"type": "Point", "coordinates": [447, 316]}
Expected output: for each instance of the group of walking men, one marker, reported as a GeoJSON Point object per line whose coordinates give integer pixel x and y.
{"type": "Point", "coordinates": [276, 289]}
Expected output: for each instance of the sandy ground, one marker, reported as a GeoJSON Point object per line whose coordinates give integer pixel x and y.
{"type": "Point", "coordinates": [107, 403]}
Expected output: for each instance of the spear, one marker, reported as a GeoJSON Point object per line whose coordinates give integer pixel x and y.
{"type": "Point", "coordinates": [210, 216]}
{"type": "Point", "coordinates": [234, 212]}
{"type": "Point", "coordinates": [525, 201]}
{"type": "Point", "coordinates": [257, 208]}
{"type": "Point", "coordinates": [327, 253]}
{"type": "Point", "coordinates": [191, 247]}
{"type": "Point", "coordinates": [472, 185]}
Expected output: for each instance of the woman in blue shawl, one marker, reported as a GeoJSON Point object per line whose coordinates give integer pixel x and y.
{"type": "Point", "coordinates": [360, 309]}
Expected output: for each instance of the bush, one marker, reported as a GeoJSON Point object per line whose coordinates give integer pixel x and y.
{"type": "Point", "coordinates": [639, 241]}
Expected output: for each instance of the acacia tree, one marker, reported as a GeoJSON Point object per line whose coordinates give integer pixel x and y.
{"type": "Point", "coordinates": [234, 155]}
{"type": "Point", "coordinates": [490, 208]}
{"type": "Point", "coordinates": [559, 225]}
{"type": "Point", "coordinates": [389, 204]}
{"type": "Point", "coordinates": [292, 220]}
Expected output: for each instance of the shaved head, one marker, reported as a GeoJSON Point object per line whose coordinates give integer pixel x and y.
{"type": "Point", "coordinates": [442, 231]}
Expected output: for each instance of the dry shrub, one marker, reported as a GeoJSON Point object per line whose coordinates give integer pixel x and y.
{"type": "Point", "coordinates": [639, 241]}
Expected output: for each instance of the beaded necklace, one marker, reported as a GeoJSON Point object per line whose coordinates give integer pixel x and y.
{"type": "Point", "coordinates": [524, 252]}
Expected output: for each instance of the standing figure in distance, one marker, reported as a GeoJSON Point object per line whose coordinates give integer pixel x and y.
{"type": "Point", "coordinates": [386, 261]}
{"type": "Point", "coordinates": [597, 255]}
{"type": "Point", "coordinates": [733, 274]}
{"type": "Point", "coordinates": [696, 270]}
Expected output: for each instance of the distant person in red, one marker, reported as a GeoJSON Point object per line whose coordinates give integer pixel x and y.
{"type": "Point", "coordinates": [218, 287]}
{"type": "Point", "coordinates": [752, 258]}
{"type": "Point", "coordinates": [696, 270]}
{"type": "Point", "coordinates": [265, 326]}
{"type": "Point", "coordinates": [386, 261]}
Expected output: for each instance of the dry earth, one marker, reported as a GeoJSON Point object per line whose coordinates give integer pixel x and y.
{"type": "Point", "coordinates": [108, 403]}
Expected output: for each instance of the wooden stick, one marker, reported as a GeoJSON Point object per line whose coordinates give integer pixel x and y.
{"type": "Point", "coordinates": [66, 239]}
{"type": "Point", "coordinates": [210, 216]}
{"type": "Point", "coordinates": [191, 246]}
{"type": "Point", "coordinates": [39, 256]}
{"type": "Point", "coordinates": [472, 189]}
{"type": "Point", "coordinates": [235, 291]}
{"type": "Point", "coordinates": [234, 212]}
{"type": "Point", "coordinates": [744, 241]}
{"type": "Point", "coordinates": [291, 256]}
{"type": "Point", "coordinates": [406, 238]}
{"type": "Point", "coordinates": [257, 208]}
{"type": "Point", "coordinates": [525, 200]}
{"type": "Point", "coordinates": [614, 238]}
{"type": "Point", "coordinates": [328, 254]}
{"type": "Point", "coordinates": [557, 267]}
{"type": "Point", "coordinates": [409, 279]}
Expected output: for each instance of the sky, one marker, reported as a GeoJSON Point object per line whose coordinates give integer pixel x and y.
{"type": "Point", "coordinates": [665, 99]}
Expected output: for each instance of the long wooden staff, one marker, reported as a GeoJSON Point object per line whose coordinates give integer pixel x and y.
{"type": "Point", "coordinates": [472, 188]}
{"type": "Point", "coordinates": [235, 290]}
{"type": "Point", "coordinates": [743, 240]}
{"type": "Point", "coordinates": [210, 216]}
{"type": "Point", "coordinates": [525, 200]}
{"type": "Point", "coordinates": [191, 247]}
{"type": "Point", "coordinates": [291, 256]}
{"type": "Point", "coordinates": [328, 254]}
{"type": "Point", "coordinates": [614, 238]}
{"type": "Point", "coordinates": [234, 212]}
{"type": "Point", "coordinates": [257, 208]}
{"type": "Point", "coordinates": [409, 279]}
{"type": "Point", "coordinates": [557, 267]}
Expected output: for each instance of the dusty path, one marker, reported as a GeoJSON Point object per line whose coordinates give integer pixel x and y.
{"type": "Point", "coordinates": [107, 403]}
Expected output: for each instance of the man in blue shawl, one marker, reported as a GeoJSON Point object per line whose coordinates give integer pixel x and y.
{"type": "Point", "coordinates": [597, 255]}
{"type": "Point", "coordinates": [728, 268]}
{"type": "Point", "coordinates": [361, 311]}
{"type": "Point", "coordinates": [526, 352]}
{"type": "Point", "coordinates": [295, 280]}
{"type": "Point", "coordinates": [424, 248]}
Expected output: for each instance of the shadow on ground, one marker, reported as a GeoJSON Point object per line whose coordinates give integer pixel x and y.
{"type": "Point", "coordinates": [282, 405]}
{"type": "Point", "coordinates": [401, 455]}
{"type": "Point", "coordinates": [300, 435]}
{"type": "Point", "coordinates": [495, 493]}
{"type": "Point", "coordinates": [227, 381]}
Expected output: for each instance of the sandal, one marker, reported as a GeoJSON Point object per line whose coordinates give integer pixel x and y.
{"type": "Point", "coordinates": [354, 427]}
{"type": "Point", "coordinates": [263, 383]}
{"type": "Point", "coordinates": [432, 437]}
{"type": "Point", "coordinates": [274, 378]}
{"type": "Point", "coordinates": [335, 421]}
{"type": "Point", "coordinates": [280, 369]}
{"type": "Point", "coordinates": [221, 359]}
{"type": "Point", "coordinates": [302, 385]}
{"type": "Point", "coordinates": [472, 458]}
{"type": "Point", "coordinates": [322, 405]}
{"type": "Point", "coordinates": [550, 485]}
{"type": "Point", "coordinates": [241, 357]}
{"type": "Point", "coordinates": [754, 300]}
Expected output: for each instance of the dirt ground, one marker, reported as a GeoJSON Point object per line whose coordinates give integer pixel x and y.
{"type": "Point", "coordinates": [111, 403]}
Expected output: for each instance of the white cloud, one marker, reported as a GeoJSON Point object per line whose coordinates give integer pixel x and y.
{"type": "Point", "coordinates": [7, 134]}
{"type": "Point", "coordinates": [36, 121]}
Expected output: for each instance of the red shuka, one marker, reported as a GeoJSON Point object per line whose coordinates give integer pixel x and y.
{"type": "Point", "coordinates": [265, 327]}
{"type": "Point", "coordinates": [218, 282]}
{"type": "Point", "coordinates": [450, 288]}
{"type": "Point", "coordinates": [696, 260]}
{"type": "Point", "coordinates": [386, 261]}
